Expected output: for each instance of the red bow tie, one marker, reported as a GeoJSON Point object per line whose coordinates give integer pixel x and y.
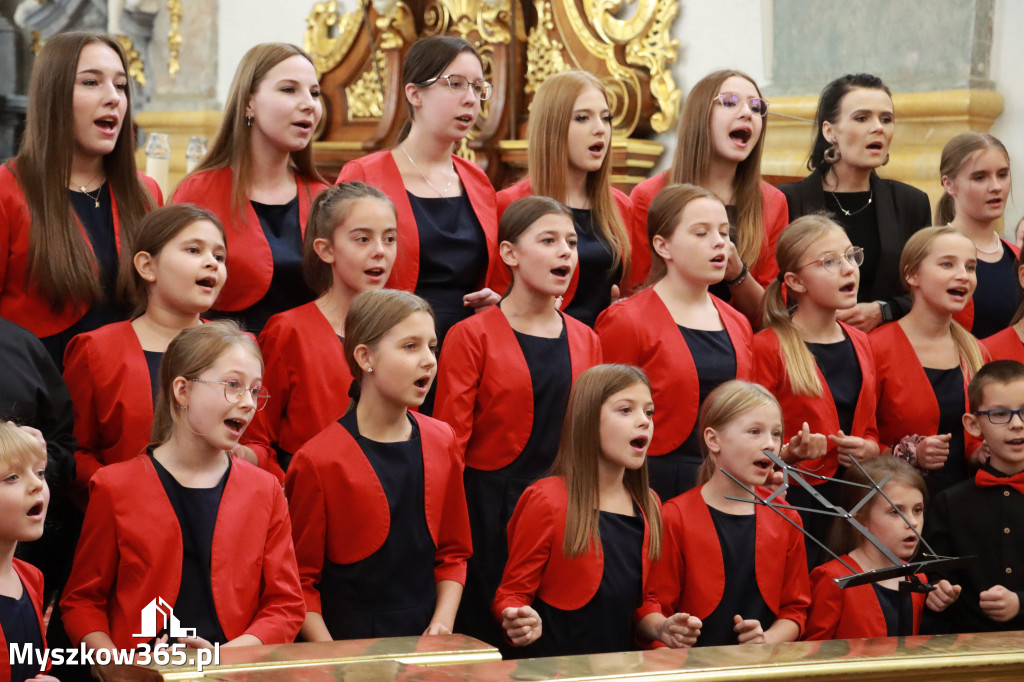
{"type": "Point", "coordinates": [984, 479]}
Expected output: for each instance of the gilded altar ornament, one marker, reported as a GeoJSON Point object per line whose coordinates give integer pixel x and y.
{"type": "Point", "coordinates": [37, 42]}
{"type": "Point", "coordinates": [175, 10]}
{"type": "Point", "coordinates": [136, 69]}
{"type": "Point", "coordinates": [329, 35]}
{"type": "Point", "coordinates": [543, 55]}
{"type": "Point", "coordinates": [395, 24]}
{"type": "Point", "coordinates": [487, 19]}
{"type": "Point", "coordinates": [364, 96]}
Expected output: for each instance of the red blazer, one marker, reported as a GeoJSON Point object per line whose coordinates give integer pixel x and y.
{"type": "Point", "coordinates": [379, 170]}
{"type": "Point", "coordinates": [108, 379]}
{"type": "Point", "coordinates": [342, 514]}
{"type": "Point", "coordinates": [130, 552]}
{"type": "Point", "coordinates": [906, 404]}
{"type": "Point", "coordinates": [640, 259]}
{"type": "Point", "coordinates": [774, 212]}
{"type": "Point", "coordinates": [640, 331]}
{"type": "Point", "coordinates": [819, 412]}
{"type": "Point", "coordinates": [19, 302]}
{"type": "Point", "coordinates": [966, 316]}
{"type": "Point", "coordinates": [250, 261]}
{"type": "Point", "coordinates": [308, 379]}
{"type": "Point", "coordinates": [32, 582]}
{"type": "Point", "coordinates": [853, 613]}
{"type": "Point", "coordinates": [484, 390]}
{"type": "Point", "coordinates": [780, 561]}
{"type": "Point", "coordinates": [536, 565]}
{"type": "Point", "coordinates": [1005, 345]}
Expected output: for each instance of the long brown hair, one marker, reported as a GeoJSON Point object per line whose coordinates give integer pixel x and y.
{"type": "Point", "coordinates": [914, 252]}
{"type": "Point", "coordinates": [790, 252]}
{"type": "Point", "coordinates": [955, 155]}
{"type": "Point", "coordinates": [191, 352]}
{"type": "Point", "coordinates": [664, 216]}
{"type": "Point", "coordinates": [232, 147]}
{"type": "Point", "coordinates": [61, 264]}
{"type": "Point", "coordinates": [550, 117]}
{"type": "Point", "coordinates": [580, 450]}
{"type": "Point", "coordinates": [695, 149]}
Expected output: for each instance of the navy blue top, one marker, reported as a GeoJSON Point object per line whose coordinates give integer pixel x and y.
{"type": "Point", "coordinates": [862, 229]}
{"type": "Point", "coordinates": [605, 623]}
{"type": "Point", "coordinates": [153, 360]}
{"type": "Point", "coordinates": [453, 256]}
{"type": "Point", "coordinates": [196, 509]}
{"type": "Point", "coordinates": [889, 601]}
{"type": "Point", "coordinates": [948, 385]}
{"type": "Point", "coordinates": [280, 223]}
{"type": "Point", "coordinates": [99, 228]}
{"type": "Point", "coordinates": [390, 593]}
{"type": "Point", "coordinates": [997, 296]}
{"type": "Point", "coordinates": [20, 626]}
{"type": "Point", "coordinates": [741, 595]}
{"type": "Point", "coordinates": [838, 363]}
{"type": "Point", "coordinates": [551, 376]}
{"type": "Point", "coordinates": [715, 360]}
{"type": "Point", "coordinates": [594, 288]}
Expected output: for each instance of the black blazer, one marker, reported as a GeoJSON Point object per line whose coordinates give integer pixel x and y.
{"type": "Point", "coordinates": [901, 210]}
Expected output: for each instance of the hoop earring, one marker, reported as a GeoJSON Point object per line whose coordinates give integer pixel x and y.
{"type": "Point", "coordinates": [831, 154]}
{"type": "Point", "coordinates": [248, 121]}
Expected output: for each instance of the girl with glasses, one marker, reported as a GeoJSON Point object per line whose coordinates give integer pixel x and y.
{"type": "Point", "coordinates": [186, 516]}
{"type": "Point", "coordinates": [259, 179]}
{"type": "Point", "coordinates": [72, 196]}
{"type": "Point", "coordinates": [924, 362]}
{"type": "Point", "coordinates": [570, 135]}
{"type": "Point", "coordinates": [381, 531]}
{"type": "Point", "coordinates": [854, 127]}
{"type": "Point", "coordinates": [975, 170]}
{"type": "Point", "coordinates": [721, 138]}
{"type": "Point", "coordinates": [113, 373]}
{"type": "Point", "coordinates": [349, 247]}
{"type": "Point", "coordinates": [821, 370]}
{"type": "Point", "coordinates": [446, 206]}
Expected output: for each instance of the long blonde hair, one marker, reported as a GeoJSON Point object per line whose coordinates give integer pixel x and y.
{"type": "Point", "coordinates": [695, 149]}
{"type": "Point", "coordinates": [790, 252]}
{"type": "Point", "coordinates": [550, 117]}
{"type": "Point", "coordinates": [580, 451]}
{"type": "Point", "coordinates": [914, 252]}
{"type": "Point", "coordinates": [727, 402]}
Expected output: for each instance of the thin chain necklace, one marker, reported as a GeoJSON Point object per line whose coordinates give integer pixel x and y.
{"type": "Point", "coordinates": [96, 198]}
{"type": "Point", "coordinates": [444, 192]}
{"type": "Point", "coordinates": [871, 195]}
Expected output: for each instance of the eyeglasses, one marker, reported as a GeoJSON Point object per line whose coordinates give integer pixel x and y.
{"type": "Point", "coordinates": [1001, 415]}
{"type": "Point", "coordinates": [731, 99]}
{"type": "Point", "coordinates": [833, 261]}
{"type": "Point", "coordinates": [458, 85]}
{"type": "Point", "coordinates": [233, 392]}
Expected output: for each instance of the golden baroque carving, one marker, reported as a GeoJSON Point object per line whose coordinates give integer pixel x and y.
{"type": "Point", "coordinates": [364, 96]}
{"type": "Point", "coordinates": [395, 23]}
{"type": "Point", "coordinates": [329, 35]}
{"type": "Point", "coordinates": [543, 55]}
{"type": "Point", "coordinates": [175, 10]}
{"type": "Point", "coordinates": [136, 69]}
{"type": "Point", "coordinates": [37, 42]}
{"type": "Point", "coordinates": [487, 18]}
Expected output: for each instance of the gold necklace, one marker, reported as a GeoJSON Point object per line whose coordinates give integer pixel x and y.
{"type": "Point", "coordinates": [96, 199]}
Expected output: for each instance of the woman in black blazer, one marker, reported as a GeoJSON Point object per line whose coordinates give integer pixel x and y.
{"type": "Point", "coordinates": [855, 124]}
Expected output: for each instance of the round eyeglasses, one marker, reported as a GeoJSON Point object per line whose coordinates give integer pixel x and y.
{"type": "Point", "coordinates": [1001, 415]}
{"type": "Point", "coordinates": [833, 261]}
{"type": "Point", "coordinates": [729, 100]}
{"type": "Point", "coordinates": [233, 392]}
{"type": "Point", "coordinates": [459, 84]}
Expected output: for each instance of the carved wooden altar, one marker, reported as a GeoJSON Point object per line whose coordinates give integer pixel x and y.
{"type": "Point", "coordinates": [359, 58]}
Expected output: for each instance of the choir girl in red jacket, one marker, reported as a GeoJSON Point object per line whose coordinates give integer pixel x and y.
{"type": "Point", "coordinates": [975, 171]}
{"type": "Point", "coordinates": [113, 373]}
{"type": "Point", "coordinates": [72, 197]}
{"type": "Point", "coordinates": [24, 497]}
{"type": "Point", "coordinates": [504, 384]}
{"type": "Point", "coordinates": [259, 179]}
{"type": "Point", "coordinates": [349, 247]}
{"type": "Point", "coordinates": [721, 137]}
{"type": "Point", "coordinates": [581, 542]}
{"type": "Point", "coordinates": [186, 522]}
{"type": "Point", "coordinates": [570, 160]}
{"type": "Point", "coordinates": [738, 568]}
{"type": "Point", "coordinates": [447, 217]}
{"type": "Point", "coordinates": [381, 531]}
{"type": "Point", "coordinates": [686, 339]}
{"type": "Point", "coordinates": [821, 370]}
{"type": "Point", "coordinates": [1008, 344]}
{"type": "Point", "coordinates": [873, 610]}
{"type": "Point", "coordinates": [924, 362]}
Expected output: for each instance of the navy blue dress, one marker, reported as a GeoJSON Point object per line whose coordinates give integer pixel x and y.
{"type": "Point", "coordinates": [948, 385]}
{"type": "Point", "coordinates": [997, 296]}
{"type": "Point", "coordinates": [19, 625]}
{"type": "Point", "coordinates": [594, 287]}
{"type": "Point", "coordinates": [390, 593]}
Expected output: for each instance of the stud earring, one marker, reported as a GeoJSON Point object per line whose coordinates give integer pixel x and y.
{"type": "Point", "coordinates": [369, 370]}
